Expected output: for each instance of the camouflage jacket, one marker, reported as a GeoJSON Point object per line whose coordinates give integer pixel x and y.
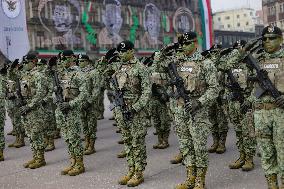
{"type": "Point", "coordinates": [133, 79]}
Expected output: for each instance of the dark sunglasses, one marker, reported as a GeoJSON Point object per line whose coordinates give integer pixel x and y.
{"type": "Point", "coordinates": [188, 43]}
{"type": "Point", "coordinates": [269, 38]}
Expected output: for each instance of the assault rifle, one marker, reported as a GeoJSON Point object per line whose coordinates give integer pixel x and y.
{"type": "Point", "coordinates": [119, 100]}
{"type": "Point", "coordinates": [235, 87]}
{"type": "Point", "coordinates": [264, 82]}
{"type": "Point", "coordinates": [19, 93]}
{"type": "Point", "coordinates": [177, 81]}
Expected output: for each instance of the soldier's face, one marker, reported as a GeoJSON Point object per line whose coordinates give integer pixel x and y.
{"type": "Point", "coordinates": [83, 63]}
{"type": "Point", "coordinates": [29, 66]}
{"type": "Point", "coordinates": [126, 56]}
{"type": "Point", "coordinates": [272, 42]}
{"type": "Point", "coordinates": [189, 48]}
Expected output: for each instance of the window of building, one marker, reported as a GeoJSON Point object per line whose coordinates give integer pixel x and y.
{"type": "Point", "coordinates": [238, 16]}
{"type": "Point", "coordinates": [247, 23]}
{"type": "Point", "coordinates": [281, 7]}
{"type": "Point", "coordinates": [219, 18]}
{"type": "Point", "coordinates": [227, 17]}
{"type": "Point", "coordinates": [245, 15]}
{"type": "Point", "coordinates": [238, 24]}
{"type": "Point", "coordinates": [40, 40]}
{"type": "Point", "coordinates": [251, 13]}
{"type": "Point", "coordinates": [229, 25]}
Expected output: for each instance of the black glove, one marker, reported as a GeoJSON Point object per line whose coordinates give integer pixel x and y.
{"type": "Point", "coordinates": [64, 106]}
{"type": "Point", "coordinates": [195, 105]}
{"type": "Point", "coordinates": [24, 110]}
{"type": "Point", "coordinates": [245, 106]}
{"type": "Point", "coordinates": [187, 107]}
{"type": "Point", "coordinates": [280, 102]}
{"type": "Point", "coordinates": [11, 96]}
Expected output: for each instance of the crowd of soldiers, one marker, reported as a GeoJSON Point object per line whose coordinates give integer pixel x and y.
{"type": "Point", "coordinates": [198, 93]}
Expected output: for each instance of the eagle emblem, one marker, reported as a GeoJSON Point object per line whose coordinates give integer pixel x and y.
{"type": "Point", "coordinates": [11, 5]}
{"type": "Point", "coordinates": [11, 8]}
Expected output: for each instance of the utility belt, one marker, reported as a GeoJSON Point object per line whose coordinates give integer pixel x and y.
{"type": "Point", "coordinates": [180, 101]}
{"type": "Point", "coordinates": [264, 106]}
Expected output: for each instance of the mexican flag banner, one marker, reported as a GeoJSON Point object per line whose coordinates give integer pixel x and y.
{"type": "Point", "coordinates": [206, 20]}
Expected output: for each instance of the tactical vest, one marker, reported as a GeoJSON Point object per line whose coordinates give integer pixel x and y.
{"type": "Point", "coordinates": [28, 88]}
{"type": "Point", "coordinates": [127, 79]}
{"type": "Point", "coordinates": [11, 86]}
{"type": "Point", "coordinates": [190, 71]}
{"type": "Point", "coordinates": [158, 78]}
{"type": "Point", "coordinates": [70, 89]}
{"type": "Point", "coordinates": [241, 77]}
{"type": "Point", "coordinates": [275, 69]}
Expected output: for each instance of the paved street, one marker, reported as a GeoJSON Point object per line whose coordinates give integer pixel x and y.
{"type": "Point", "coordinates": [103, 168]}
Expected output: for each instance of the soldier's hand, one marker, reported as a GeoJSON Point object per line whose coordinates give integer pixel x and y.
{"type": "Point", "coordinates": [280, 102]}
{"type": "Point", "coordinates": [64, 106]}
{"type": "Point", "coordinates": [195, 106]}
{"type": "Point", "coordinates": [24, 110]}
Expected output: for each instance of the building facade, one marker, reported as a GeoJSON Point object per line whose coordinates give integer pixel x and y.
{"type": "Point", "coordinates": [94, 26]}
{"type": "Point", "coordinates": [241, 20]}
{"type": "Point", "coordinates": [273, 12]}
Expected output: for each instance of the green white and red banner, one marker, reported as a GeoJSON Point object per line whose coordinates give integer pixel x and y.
{"type": "Point", "coordinates": [206, 21]}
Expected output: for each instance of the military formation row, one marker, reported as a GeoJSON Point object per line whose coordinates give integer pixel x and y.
{"type": "Point", "coordinates": [198, 92]}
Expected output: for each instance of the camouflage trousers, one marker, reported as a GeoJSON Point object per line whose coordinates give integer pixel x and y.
{"type": "Point", "coordinates": [89, 121]}
{"type": "Point", "coordinates": [133, 134]}
{"type": "Point", "coordinates": [243, 126]}
{"type": "Point", "coordinates": [218, 119]}
{"type": "Point", "coordinates": [160, 117]}
{"type": "Point", "coordinates": [2, 123]}
{"type": "Point", "coordinates": [34, 123]}
{"type": "Point", "coordinates": [269, 128]}
{"type": "Point", "coordinates": [14, 114]}
{"type": "Point", "coordinates": [51, 125]}
{"type": "Point", "coordinates": [70, 126]}
{"type": "Point", "coordinates": [192, 135]}
{"type": "Point", "coordinates": [100, 108]}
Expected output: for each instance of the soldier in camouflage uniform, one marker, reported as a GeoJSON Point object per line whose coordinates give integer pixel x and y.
{"type": "Point", "coordinates": [217, 115]}
{"type": "Point", "coordinates": [34, 88]}
{"type": "Point", "coordinates": [241, 120]}
{"type": "Point", "coordinates": [3, 72]}
{"type": "Point", "coordinates": [269, 111]}
{"type": "Point", "coordinates": [191, 118]}
{"type": "Point", "coordinates": [13, 103]}
{"type": "Point", "coordinates": [50, 124]}
{"type": "Point", "coordinates": [89, 116]}
{"type": "Point", "coordinates": [68, 112]}
{"type": "Point", "coordinates": [158, 106]}
{"type": "Point", "coordinates": [133, 80]}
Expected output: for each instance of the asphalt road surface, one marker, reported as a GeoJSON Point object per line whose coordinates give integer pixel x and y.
{"type": "Point", "coordinates": [103, 169]}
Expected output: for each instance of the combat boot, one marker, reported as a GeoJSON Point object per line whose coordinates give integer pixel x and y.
{"type": "Point", "coordinates": [239, 162]}
{"type": "Point", "coordinates": [67, 169]}
{"type": "Point", "coordinates": [249, 165]}
{"type": "Point", "coordinates": [282, 183]}
{"type": "Point", "coordinates": [200, 178]}
{"type": "Point", "coordinates": [190, 180]}
{"type": "Point", "coordinates": [100, 117]}
{"type": "Point", "coordinates": [272, 181]}
{"type": "Point", "coordinates": [21, 142]}
{"type": "Point", "coordinates": [118, 131]}
{"type": "Point", "coordinates": [177, 159]}
{"type": "Point", "coordinates": [91, 148]}
{"type": "Point", "coordinates": [160, 142]}
{"type": "Point", "coordinates": [26, 165]}
{"type": "Point", "coordinates": [122, 154]}
{"type": "Point", "coordinates": [87, 142]}
{"type": "Point", "coordinates": [215, 144]}
{"type": "Point", "coordinates": [165, 143]}
{"type": "Point", "coordinates": [123, 180]}
{"type": "Point", "coordinates": [50, 144]}
{"type": "Point", "coordinates": [57, 134]}
{"type": "Point", "coordinates": [78, 168]}
{"type": "Point", "coordinates": [111, 118]}
{"type": "Point", "coordinates": [12, 132]}
{"type": "Point", "coordinates": [15, 142]}
{"type": "Point", "coordinates": [120, 142]}
{"type": "Point", "coordinates": [1, 155]}
{"type": "Point", "coordinates": [39, 161]}
{"type": "Point", "coordinates": [136, 179]}
{"type": "Point", "coordinates": [222, 143]}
